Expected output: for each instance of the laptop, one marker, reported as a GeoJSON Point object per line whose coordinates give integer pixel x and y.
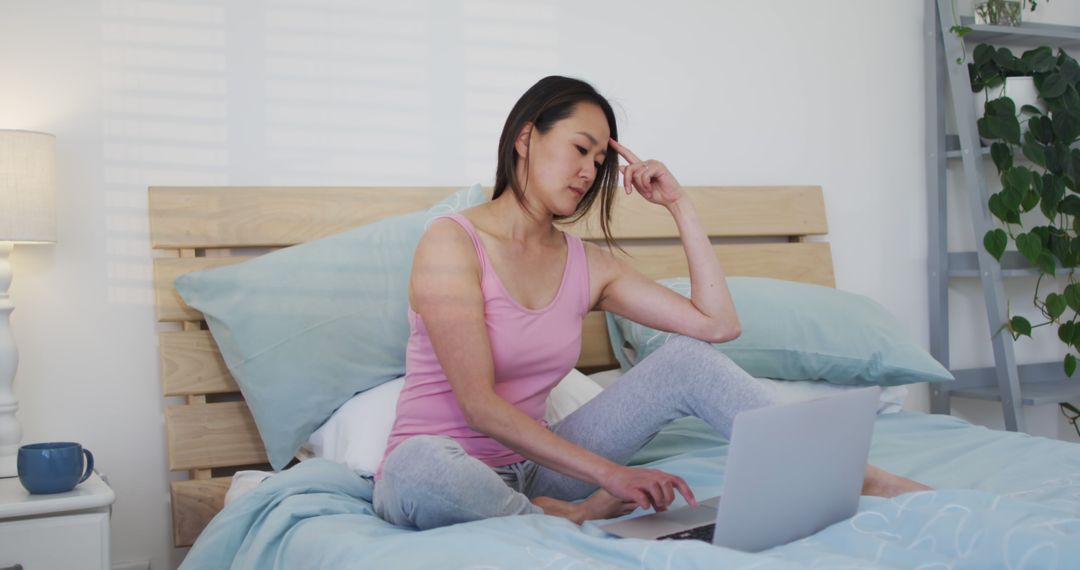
{"type": "Point", "coordinates": [792, 470]}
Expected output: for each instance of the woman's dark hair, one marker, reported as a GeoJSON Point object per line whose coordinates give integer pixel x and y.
{"type": "Point", "coordinates": [551, 100]}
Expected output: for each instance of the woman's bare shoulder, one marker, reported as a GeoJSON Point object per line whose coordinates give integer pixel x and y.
{"type": "Point", "coordinates": [603, 264]}
{"type": "Point", "coordinates": [446, 241]}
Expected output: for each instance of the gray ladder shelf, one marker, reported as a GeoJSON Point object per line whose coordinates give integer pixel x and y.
{"type": "Point", "coordinates": [1011, 384]}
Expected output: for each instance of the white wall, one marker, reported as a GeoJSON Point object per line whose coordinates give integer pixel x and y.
{"type": "Point", "coordinates": [339, 92]}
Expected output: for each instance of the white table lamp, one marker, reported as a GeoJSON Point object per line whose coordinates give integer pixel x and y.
{"type": "Point", "coordinates": [27, 186]}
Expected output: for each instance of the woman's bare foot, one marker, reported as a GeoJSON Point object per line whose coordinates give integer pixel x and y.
{"type": "Point", "coordinates": [604, 505]}
{"type": "Point", "coordinates": [881, 483]}
{"type": "Point", "coordinates": [573, 512]}
{"type": "Point", "coordinates": [601, 505]}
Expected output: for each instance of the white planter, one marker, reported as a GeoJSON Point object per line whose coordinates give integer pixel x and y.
{"type": "Point", "coordinates": [1022, 92]}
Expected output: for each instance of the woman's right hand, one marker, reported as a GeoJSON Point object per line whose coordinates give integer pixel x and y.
{"type": "Point", "coordinates": [647, 487]}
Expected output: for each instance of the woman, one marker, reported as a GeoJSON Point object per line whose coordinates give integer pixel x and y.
{"type": "Point", "coordinates": [497, 297]}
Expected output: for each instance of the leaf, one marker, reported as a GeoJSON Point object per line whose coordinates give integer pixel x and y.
{"type": "Point", "coordinates": [1020, 326]}
{"type": "Point", "coordinates": [1065, 332]}
{"type": "Point", "coordinates": [1052, 85]}
{"type": "Point", "coordinates": [1031, 110]}
{"type": "Point", "coordinates": [1070, 205]}
{"type": "Point", "coordinates": [1071, 99]}
{"type": "Point", "coordinates": [960, 31]}
{"type": "Point", "coordinates": [1031, 199]}
{"type": "Point", "coordinates": [983, 54]}
{"type": "Point", "coordinates": [1070, 365]}
{"type": "Point", "coordinates": [1059, 244]}
{"type": "Point", "coordinates": [1002, 155]}
{"type": "Point", "coordinates": [1005, 59]}
{"type": "Point", "coordinates": [1042, 129]}
{"type": "Point", "coordinates": [995, 241]}
{"type": "Point", "coordinates": [1066, 125]}
{"type": "Point", "coordinates": [1001, 107]}
{"type": "Point", "coordinates": [1070, 69]}
{"type": "Point", "coordinates": [1018, 179]}
{"type": "Point", "coordinates": [1005, 128]}
{"type": "Point", "coordinates": [1040, 59]}
{"type": "Point", "coordinates": [1057, 158]}
{"type": "Point", "coordinates": [997, 208]}
{"type": "Point", "coordinates": [1033, 151]}
{"type": "Point", "coordinates": [1046, 264]}
{"type": "Point", "coordinates": [1055, 305]}
{"type": "Point", "coordinates": [1044, 233]}
{"type": "Point", "coordinates": [1030, 245]}
{"type": "Point", "coordinates": [1011, 198]}
{"type": "Point", "coordinates": [1072, 296]}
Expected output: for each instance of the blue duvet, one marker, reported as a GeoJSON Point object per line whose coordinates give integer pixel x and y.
{"type": "Point", "coordinates": [1003, 500]}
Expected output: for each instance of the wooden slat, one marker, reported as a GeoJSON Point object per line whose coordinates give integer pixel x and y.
{"type": "Point", "coordinates": [724, 211]}
{"type": "Point", "coordinates": [212, 435]}
{"type": "Point", "coordinates": [194, 503]}
{"type": "Point", "coordinates": [191, 364]}
{"type": "Point", "coordinates": [595, 347]}
{"type": "Point", "coordinates": [217, 217]}
{"type": "Point", "coordinates": [211, 217]}
{"type": "Point", "coordinates": [808, 262]}
{"type": "Point", "coordinates": [170, 307]}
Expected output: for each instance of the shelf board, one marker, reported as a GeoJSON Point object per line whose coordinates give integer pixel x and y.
{"type": "Point", "coordinates": [1028, 34]}
{"type": "Point", "coordinates": [952, 147]}
{"type": "Point", "coordinates": [1033, 394]}
{"type": "Point", "coordinates": [1040, 383]}
{"type": "Point", "coordinates": [1013, 264]}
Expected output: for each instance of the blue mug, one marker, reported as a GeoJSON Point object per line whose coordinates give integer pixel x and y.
{"type": "Point", "coordinates": [54, 467]}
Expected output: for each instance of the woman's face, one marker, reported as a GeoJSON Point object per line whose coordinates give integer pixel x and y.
{"type": "Point", "coordinates": [564, 161]}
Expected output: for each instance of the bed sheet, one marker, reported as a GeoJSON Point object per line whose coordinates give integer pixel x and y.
{"type": "Point", "coordinates": [1001, 500]}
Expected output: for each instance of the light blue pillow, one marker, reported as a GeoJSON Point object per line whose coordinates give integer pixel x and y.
{"type": "Point", "coordinates": [305, 328]}
{"type": "Point", "coordinates": [799, 331]}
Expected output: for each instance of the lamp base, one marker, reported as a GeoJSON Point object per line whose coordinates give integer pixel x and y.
{"type": "Point", "coordinates": [10, 430]}
{"type": "Point", "coordinates": [8, 467]}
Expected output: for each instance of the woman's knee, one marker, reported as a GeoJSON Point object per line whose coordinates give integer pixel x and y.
{"type": "Point", "coordinates": [686, 350]}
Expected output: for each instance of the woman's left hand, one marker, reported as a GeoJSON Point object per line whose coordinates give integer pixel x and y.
{"type": "Point", "coordinates": [649, 177]}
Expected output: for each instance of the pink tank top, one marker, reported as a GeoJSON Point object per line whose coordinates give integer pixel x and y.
{"type": "Point", "coordinates": [532, 349]}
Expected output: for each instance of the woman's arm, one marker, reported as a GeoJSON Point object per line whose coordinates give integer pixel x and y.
{"type": "Point", "coordinates": [445, 292]}
{"type": "Point", "coordinates": [709, 313]}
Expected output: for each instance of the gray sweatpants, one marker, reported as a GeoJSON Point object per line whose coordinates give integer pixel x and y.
{"type": "Point", "coordinates": [429, 481]}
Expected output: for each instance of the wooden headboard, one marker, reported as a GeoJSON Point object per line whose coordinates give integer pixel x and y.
{"type": "Point", "coordinates": [757, 231]}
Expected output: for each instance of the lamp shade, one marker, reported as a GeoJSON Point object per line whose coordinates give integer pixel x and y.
{"type": "Point", "coordinates": [27, 186]}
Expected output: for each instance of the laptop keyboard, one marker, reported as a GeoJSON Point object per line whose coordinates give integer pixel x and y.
{"type": "Point", "coordinates": [704, 533]}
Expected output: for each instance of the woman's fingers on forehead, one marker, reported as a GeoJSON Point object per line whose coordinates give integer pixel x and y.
{"type": "Point", "coordinates": [624, 152]}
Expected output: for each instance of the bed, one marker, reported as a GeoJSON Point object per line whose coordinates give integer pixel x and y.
{"type": "Point", "coordinates": [1002, 500]}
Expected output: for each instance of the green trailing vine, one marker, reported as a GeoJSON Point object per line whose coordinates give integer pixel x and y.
{"type": "Point", "coordinates": [1038, 168]}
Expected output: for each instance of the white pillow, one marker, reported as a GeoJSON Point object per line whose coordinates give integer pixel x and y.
{"type": "Point", "coordinates": [570, 394]}
{"type": "Point", "coordinates": [890, 400]}
{"type": "Point", "coordinates": [244, 482]}
{"type": "Point", "coordinates": [356, 433]}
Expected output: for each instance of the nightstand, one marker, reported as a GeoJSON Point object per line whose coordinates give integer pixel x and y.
{"type": "Point", "coordinates": [64, 530]}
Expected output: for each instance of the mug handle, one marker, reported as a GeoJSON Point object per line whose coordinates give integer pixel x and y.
{"type": "Point", "coordinates": [89, 464]}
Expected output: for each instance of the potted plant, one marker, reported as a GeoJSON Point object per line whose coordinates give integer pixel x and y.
{"type": "Point", "coordinates": [1038, 168]}
{"type": "Point", "coordinates": [992, 12]}
{"type": "Point", "coordinates": [1002, 12]}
